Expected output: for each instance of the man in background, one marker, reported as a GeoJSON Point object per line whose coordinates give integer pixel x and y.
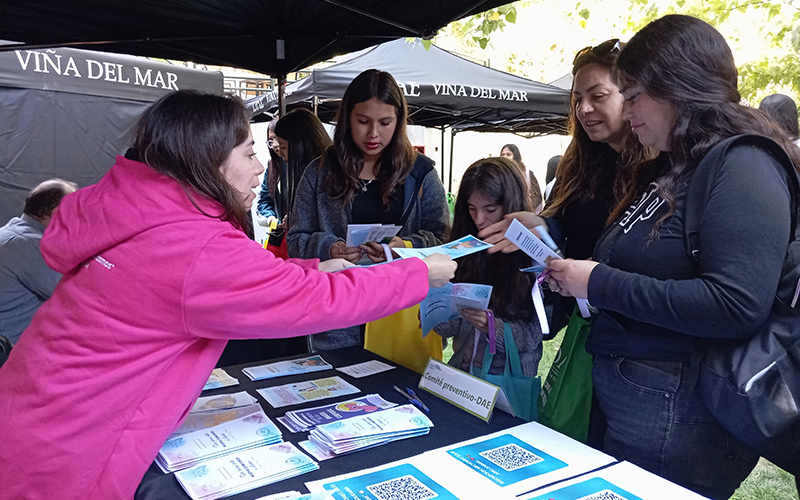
{"type": "Point", "coordinates": [25, 280]}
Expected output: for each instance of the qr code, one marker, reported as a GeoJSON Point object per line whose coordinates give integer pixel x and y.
{"type": "Point", "coordinates": [511, 457]}
{"type": "Point", "coordinates": [603, 495]}
{"type": "Point", "coordinates": [402, 488]}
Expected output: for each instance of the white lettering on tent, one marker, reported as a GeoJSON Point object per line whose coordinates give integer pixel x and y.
{"type": "Point", "coordinates": [523, 95]}
{"type": "Point", "coordinates": [24, 62]}
{"type": "Point", "coordinates": [461, 91]}
{"type": "Point", "coordinates": [436, 88]}
{"type": "Point", "coordinates": [55, 65]}
{"type": "Point", "coordinates": [91, 67]}
{"type": "Point", "coordinates": [159, 80]}
{"type": "Point", "coordinates": [476, 92]}
{"type": "Point", "coordinates": [172, 81]}
{"type": "Point", "coordinates": [514, 95]}
{"type": "Point", "coordinates": [504, 94]}
{"type": "Point", "coordinates": [120, 78]}
{"type": "Point", "coordinates": [410, 89]}
{"type": "Point", "coordinates": [142, 79]}
{"type": "Point", "coordinates": [111, 72]}
{"type": "Point", "coordinates": [71, 66]}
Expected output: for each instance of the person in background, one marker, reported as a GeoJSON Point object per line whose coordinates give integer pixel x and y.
{"type": "Point", "coordinates": [158, 275]}
{"type": "Point", "coordinates": [511, 151]}
{"type": "Point", "coordinates": [301, 138]}
{"type": "Point", "coordinates": [656, 303]}
{"type": "Point", "coordinates": [25, 280]}
{"type": "Point", "coordinates": [550, 177]}
{"type": "Point", "coordinates": [371, 174]}
{"type": "Point", "coordinates": [271, 205]}
{"type": "Point", "coordinates": [491, 188]}
{"type": "Point", "coordinates": [783, 111]}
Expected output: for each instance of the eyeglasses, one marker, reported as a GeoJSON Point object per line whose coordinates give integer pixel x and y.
{"type": "Point", "coordinates": [601, 50]}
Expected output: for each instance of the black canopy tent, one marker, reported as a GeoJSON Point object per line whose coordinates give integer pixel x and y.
{"type": "Point", "coordinates": [442, 90]}
{"type": "Point", "coordinates": [68, 112]}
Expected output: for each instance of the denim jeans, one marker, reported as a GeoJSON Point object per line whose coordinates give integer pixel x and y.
{"type": "Point", "coordinates": [658, 422]}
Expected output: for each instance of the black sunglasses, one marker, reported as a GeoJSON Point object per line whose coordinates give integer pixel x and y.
{"type": "Point", "coordinates": [601, 50]}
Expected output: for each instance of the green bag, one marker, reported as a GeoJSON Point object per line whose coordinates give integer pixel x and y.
{"type": "Point", "coordinates": [566, 397]}
{"type": "Point", "coordinates": [520, 390]}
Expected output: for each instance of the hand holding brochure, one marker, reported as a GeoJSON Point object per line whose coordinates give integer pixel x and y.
{"type": "Point", "coordinates": [443, 304]}
{"type": "Point", "coordinates": [358, 234]}
{"type": "Point", "coordinates": [308, 364]}
{"type": "Point", "coordinates": [455, 249]}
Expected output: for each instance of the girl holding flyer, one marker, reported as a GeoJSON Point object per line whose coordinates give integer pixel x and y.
{"type": "Point", "coordinates": [372, 174]}
{"type": "Point", "coordinates": [490, 189]}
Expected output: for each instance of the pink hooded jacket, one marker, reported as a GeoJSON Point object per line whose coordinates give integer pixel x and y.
{"type": "Point", "coordinates": [152, 290]}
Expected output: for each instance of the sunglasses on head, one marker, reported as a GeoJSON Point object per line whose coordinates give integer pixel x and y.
{"type": "Point", "coordinates": [601, 50]}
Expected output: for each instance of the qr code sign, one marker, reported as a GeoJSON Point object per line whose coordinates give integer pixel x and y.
{"type": "Point", "coordinates": [402, 488]}
{"type": "Point", "coordinates": [603, 495]}
{"type": "Point", "coordinates": [511, 457]}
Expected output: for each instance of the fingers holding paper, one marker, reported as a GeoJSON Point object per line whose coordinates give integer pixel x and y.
{"type": "Point", "coordinates": [441, 269]}
{"type": "Point", "coordinates": [478, 318]}
{"type": "Point", "coordinates": [570, 277]}
{"type": "Point", "coordinates": [495, 234]}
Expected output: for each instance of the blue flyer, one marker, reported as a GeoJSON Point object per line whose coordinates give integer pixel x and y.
{"type": "Point", "coordinates": [506, 460]}
{"type": "Point", "coordinates": [592, 489]}
{"type": "Point", "coordinates": [402, 481]}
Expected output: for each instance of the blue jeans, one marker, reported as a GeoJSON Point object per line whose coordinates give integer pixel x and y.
{"type": "Point", "coordinates": [656, 421]}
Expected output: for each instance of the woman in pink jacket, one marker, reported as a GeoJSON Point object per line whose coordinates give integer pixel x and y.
{"type": "Point", "coordinates": [158, 275]}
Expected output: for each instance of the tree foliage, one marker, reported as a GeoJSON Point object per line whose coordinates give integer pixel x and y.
{"type": "Point", "coordinates": [781, 70]}
{"type": "Point", "coordinates": [479, 27]}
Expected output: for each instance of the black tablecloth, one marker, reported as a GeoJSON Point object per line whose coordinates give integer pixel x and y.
{"type": "Point", "coordinates": [451, 425]}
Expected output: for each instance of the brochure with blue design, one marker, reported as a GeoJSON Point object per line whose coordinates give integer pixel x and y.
{"type": "Point", "coordinates": [506, 460]}
{"type": "Point", "coordinates": [308, 364]}
{"type": "Point", "coordinates": [219, 378]}
{"type": "Point", "coordinates": [443, 304]}
{"type": "Point", "coordinates": [189, 449]}
{"type": "Point", "coordinates": [307, 419]}
{"type": "Point", "coordinates": [204, 419]}
{"type": "Point", "coordinates": [592, 489]}
{"type": "Point", "coordinates": [402, 481]}
{"type": "Point", "coordinates": [458, 248]}
{"type": "Point", "coordinates": [243, 471]}
{"type": "Point", "coordinates": [303, 392]}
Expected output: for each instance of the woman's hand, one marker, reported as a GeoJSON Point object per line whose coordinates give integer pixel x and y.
{"type": "Point", "coordinates": [332, 265]}
{"type": "Point", "coordinates": [495, 234]}
{"type": "Point", "coordinates": [570, 277]}
{"type": "Point", "coordinates": [441, 269]}
{"type": "Point", "coordinates": [478, 318]}
{"type": "Point", "coordinates": [340, 251]}
{"type": "Point", "coordinates": [374, 250]}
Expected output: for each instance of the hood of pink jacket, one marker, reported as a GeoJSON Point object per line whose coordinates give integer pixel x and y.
{"type": "Point", "coordinates": [105, 214]}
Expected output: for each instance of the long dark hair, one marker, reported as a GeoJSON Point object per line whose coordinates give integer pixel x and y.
{"type": "Point", "coordinates": [783, 111]}
{"type": "Point", "coordinates": [188, 135]}
{"type": "Point", "coordinates": [498, 180]}
{"type": "Point", "coordinates": [514, 151]}
{"type": "Point", "coordinates": [307, 140]}
{"type": "Point", "coordinates": [584, 165]}
{"type": "Point", "coordinates": [687, 63]}
{"type": "Point", "coordinates": [397, 158]}
{"type": "Point", "coordinates": [274, 167]}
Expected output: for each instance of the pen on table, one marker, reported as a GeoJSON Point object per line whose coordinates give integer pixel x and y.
{"type": "Point", "coordinates": [414, 401]}
{"type": "Point", "coordinates": [414, 394]}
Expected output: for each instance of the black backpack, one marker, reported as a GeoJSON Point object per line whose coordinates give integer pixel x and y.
{"type": "Point", "coordinates": [752, 387]}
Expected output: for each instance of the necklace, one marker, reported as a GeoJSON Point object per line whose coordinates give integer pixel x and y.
{"type": "Point", "coordinates": [364, 183]}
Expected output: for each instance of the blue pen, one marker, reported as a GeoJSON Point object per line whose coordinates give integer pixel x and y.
{"type": "Point", "coordinates": [414, 401]}
{"type": "Point", "coordinates": [416, 398]}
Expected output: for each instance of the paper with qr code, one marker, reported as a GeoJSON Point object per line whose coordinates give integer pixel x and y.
{"type": "Point", "coordinates": [303, 392]}
{"type": "Point", "coordinates": [506, 460]}
{"type": "Point", "coordinates": [621, 481]}
{"type": "Point", "coordinates": [401, 482]}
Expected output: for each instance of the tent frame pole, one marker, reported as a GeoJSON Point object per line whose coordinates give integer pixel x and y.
{"type": "Point", "coordinates": [452, 138]}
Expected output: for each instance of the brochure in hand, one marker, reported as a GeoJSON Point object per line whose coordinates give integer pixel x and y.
{"type": "Point", "coordinates": [192, 448]}
{"type": "Point", "coordinates": [244, 470]}
{"type": "Point", "coordinates": [305, 420]}
{"type": "Point", "coordinates": [366, 431]}
{"type": "Point", "coordinates": [219, 378]}
{"type": "Point", "coordinates": [283, 368]}
{"type": "Point", "coordinates": [358, 234]}
{"type": "Point", "coordinates": [455, 249]}
{"type": "Point", "coordinates": [443, 304]}
{"type": "Point", "coordinates": [303, 392]}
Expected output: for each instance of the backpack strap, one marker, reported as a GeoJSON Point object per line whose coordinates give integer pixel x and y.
{"type": "Point", "coordinates": [703, 181]}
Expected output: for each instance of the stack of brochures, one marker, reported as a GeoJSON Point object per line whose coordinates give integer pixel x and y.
{"type": "Point", "coordinates": [243, 471]}
{"type": "Point", "coordinates": [219, 378]}
{"type": "Point", "coordinates": [291, 367]}
{"type": "Point", "coordinates": [188, 450]}
{"type": "Point", "coordinates": [305, 420]}
{"type": "Point", "coordinates": [366, 431]}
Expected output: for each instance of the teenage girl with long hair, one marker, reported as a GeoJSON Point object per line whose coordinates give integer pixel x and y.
{"type": "Point", "coordinates": [491, 188]}
{"type": "Point", "coordinates": [656, 303]}
{"type": "Point", "coordinates": [371, 174]}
